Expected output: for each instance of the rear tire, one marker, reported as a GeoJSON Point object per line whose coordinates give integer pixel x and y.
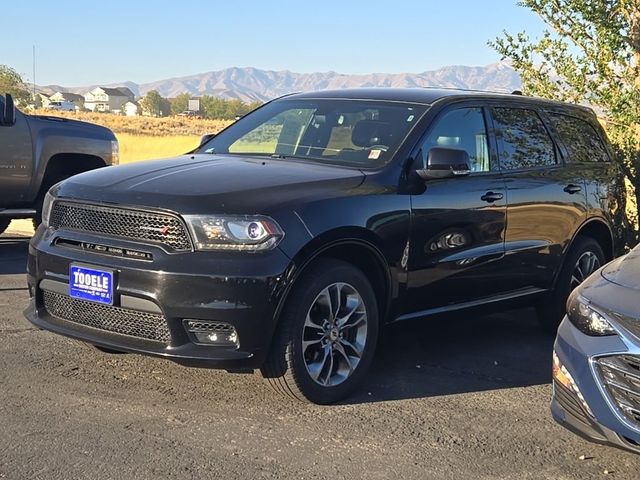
{"type": "Point", "coordinates": [584, 258]}
{"type": "Point", "coordinates": [327, 335]}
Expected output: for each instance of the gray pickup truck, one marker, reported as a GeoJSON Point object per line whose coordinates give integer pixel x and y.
{"type": "Point", "coordinates": [37, 152]}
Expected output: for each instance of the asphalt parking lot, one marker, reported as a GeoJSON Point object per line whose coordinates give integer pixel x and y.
{"type": "Point", "coordinates": [463, 398]}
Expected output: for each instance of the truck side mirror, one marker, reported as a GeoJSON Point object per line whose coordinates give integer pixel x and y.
{"type": "Point", "coordinates": [445, 162]}
{"type": "Point", "coordinates": [9, 111]}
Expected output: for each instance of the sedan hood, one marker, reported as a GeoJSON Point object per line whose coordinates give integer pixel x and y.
{"type": "Point", "coordinates": [211, 183]}
{"type": "Point", "coordinates": [625, 271]}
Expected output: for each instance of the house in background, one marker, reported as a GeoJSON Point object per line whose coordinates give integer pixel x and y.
{"type": "Point", "coordinates": [105, 99]}
{"type": "Point", "coordinates": [131, 109]}
{"type": "Point", "coordinates": [77, 100]}
{"type": "Point", "coordinates": [42, 100]}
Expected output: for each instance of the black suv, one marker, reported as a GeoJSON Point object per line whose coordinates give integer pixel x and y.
{"type": "Point", "coordinates": [289, 239]}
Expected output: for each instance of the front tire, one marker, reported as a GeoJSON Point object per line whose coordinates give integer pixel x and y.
{"type": "Point", "coordinates": [584, 258]}
{"type": "Point", "coordinates": [327, 335]}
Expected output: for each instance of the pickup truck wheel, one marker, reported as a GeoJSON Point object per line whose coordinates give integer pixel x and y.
{"type": "Point", "coordinates": [584, 258]}
{"type": "Point", "coordinates": [4, 224]}
{"type": "Point", "coordinates": [327, 335]}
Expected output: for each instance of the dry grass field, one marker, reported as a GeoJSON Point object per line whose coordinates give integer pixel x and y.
{"type": "Point", "coordinates": [143, 147]}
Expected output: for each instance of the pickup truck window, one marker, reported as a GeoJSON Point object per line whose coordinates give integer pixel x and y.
{"type": "Point", "coordinates": [524, 140]}
{"type": "Point", "coordinates": [580, 138]}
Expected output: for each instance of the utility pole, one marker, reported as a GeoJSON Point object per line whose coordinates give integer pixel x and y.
{"type": "Point", "coordinates": [34, 73]}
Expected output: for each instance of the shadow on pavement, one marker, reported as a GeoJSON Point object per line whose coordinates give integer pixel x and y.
{"type": "Point", "coordinates": [458, 354]}
{"type": "Point", "coordinates": [13, 255]}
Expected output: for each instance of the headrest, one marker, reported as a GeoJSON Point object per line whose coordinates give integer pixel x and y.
{"type": "Point", "coordinates": [370, 132]}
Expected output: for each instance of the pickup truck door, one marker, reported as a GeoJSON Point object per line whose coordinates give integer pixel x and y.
{"type": "Point", "coordinates": [16, 161]}
{"type": "Point", "coordinates": [458, 223]}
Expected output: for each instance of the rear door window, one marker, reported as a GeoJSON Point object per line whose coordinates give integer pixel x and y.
{"type": "Point", "coordinates": [582, 140]}
{"type": "Point", "coordinates": [524, 141]}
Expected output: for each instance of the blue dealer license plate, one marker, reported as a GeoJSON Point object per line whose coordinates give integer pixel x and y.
{"type": "Point", "coordinates": [91, 284]}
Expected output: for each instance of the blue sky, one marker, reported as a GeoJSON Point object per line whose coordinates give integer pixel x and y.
{"type": "Point", "coordinates": [80, 43]}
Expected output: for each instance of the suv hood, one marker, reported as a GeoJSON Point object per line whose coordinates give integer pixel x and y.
{"type": "Point", "coordinates": [212, 183]}
{"type": "Point", "coordinates": [625, 271]}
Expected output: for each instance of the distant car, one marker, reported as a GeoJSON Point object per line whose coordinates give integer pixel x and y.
{"type": "Point", "coordinates": [286, 241]}
{"type": "Point", "coordinates": [596, 359]}
{"type": "Point", "coordinates": [62, 106]}
{"type": "Point", "coordinates": [189, 113]}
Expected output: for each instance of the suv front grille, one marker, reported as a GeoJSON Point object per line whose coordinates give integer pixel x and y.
{"type": "Point", "coordinates": [160, 228]}
{"type": "Point", "coordinates": [148, 326]}
{"type": "Point", "coordinates": [621, 377]}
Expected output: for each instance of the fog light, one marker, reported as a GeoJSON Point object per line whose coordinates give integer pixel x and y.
{"type": "Point", "coordinates": [212, 333]}
{"type": "Point", "coordinates": [563, 377]}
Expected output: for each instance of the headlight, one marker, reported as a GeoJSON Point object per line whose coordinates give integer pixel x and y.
{"type": "Point", "coordinates": [244, 233]}
{"type": "Point", "coordinates": [115, 153]}
{"type": "Point", "coordinates": [46, 209]}
{"type": "Point", "coordinates": [588, 318]}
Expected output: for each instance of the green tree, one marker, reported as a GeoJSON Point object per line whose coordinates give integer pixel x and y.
{"type": "Point", "coordinates": [155, 104]}
{"type": "Point", "coordinates": [180, 103]}
{"type": "Point", "coordinates": [590, 54]}
{"type": "Point", "coordinates": [11, 82]}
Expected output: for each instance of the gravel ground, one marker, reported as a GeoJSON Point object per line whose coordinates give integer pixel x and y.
{"type": "Point", "coordinates": [462, 398]}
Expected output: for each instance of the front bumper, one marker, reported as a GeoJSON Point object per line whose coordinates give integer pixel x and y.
{"type": "Point", "coordinates": [600, 420]}
{"type": "Point", "coordinates": [241, 290]}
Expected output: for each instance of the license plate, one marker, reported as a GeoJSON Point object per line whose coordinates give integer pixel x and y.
{"type": "Point", "coordinates": [91, 284]}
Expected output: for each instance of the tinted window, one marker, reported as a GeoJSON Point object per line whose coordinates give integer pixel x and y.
{"type": "Point", "coordinates": [525, 140]}
{"type": "Point", "coordinates": [580, 138]}
{"type": "Point", "coordinates": [347, 132]}
{"type": "Point", "coordinates": [462, 129]}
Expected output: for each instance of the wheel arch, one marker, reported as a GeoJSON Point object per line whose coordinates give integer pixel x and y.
{"type": "Point", "coordinates": [351, 245]}
{"type": "Point", "coordinates": [598, 230]}
{"type": "Point", "coordinates": [65, 165]}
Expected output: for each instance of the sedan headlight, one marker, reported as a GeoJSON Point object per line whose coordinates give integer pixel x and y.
{"type": "Point", "coordinates": [46, 209]}
{"type": "Point", "coordinates": [240, 233]}
{"type": "Point", "coordinates": [588, 318]}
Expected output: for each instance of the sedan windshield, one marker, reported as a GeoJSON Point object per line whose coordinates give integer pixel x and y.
{"type": "Point", "coordinates": [359, 133]}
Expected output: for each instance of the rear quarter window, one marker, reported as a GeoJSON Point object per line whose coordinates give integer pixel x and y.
{"type": "Point", "coordinates": [581, 139]}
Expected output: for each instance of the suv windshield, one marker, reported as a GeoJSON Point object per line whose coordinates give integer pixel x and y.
{"type": "Point", "coordinates": [360, 133]}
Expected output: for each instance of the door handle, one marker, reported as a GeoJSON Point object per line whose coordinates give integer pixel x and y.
{"type": "Point", "coordinates": [571, 189]}
{"type": "Point", "coordinates": [491, 197]}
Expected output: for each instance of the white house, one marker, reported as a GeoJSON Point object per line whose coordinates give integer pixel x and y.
{"type": "Point", "coordinates": [77, 100]}
{"type": "Point", "coordinates": [130, 109]}
{"type": "Point", "coordinates": [42, 100]}
{"type": "Point", "coordinates": [104, 99]}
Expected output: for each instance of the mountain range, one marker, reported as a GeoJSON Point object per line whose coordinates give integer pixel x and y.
{"type": "Point", "coordinates": [253, 84]}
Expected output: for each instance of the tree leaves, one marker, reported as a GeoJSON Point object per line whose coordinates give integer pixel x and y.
{"type": "Point", "coordinates": [590, 54]}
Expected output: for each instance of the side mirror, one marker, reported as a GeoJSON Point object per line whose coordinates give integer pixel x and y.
{"type": "Point", "coordinates": [444, 163]}
{"type": "Point", "coordinates": [205, 138]}
{"type": "Point", "coordinates": [9, 111]}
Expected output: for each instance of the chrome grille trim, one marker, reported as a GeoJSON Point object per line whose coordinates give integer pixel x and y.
{"type": "Point", "coordinates": [620, 375]}
{"type": "Point", "coordinates": [128, 223]}
{"type": "Point", "coordinates": [133, 323]}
